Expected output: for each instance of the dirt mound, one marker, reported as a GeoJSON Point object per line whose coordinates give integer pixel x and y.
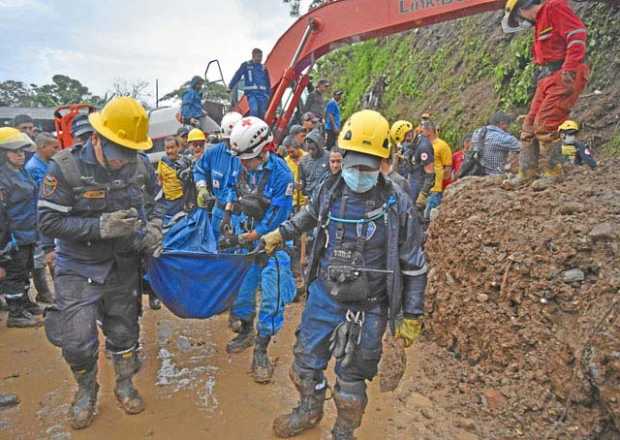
{"type": "Point", "coordinates": [525, 289]}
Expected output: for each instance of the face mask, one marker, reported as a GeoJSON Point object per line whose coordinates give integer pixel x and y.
{"type": "Point", "coordinates": [568, 139]}
{"type": "Point", "coordinates": [360, 181]}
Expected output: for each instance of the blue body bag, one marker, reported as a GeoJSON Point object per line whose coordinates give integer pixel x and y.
{"type": "Point", "coordinates": [190, 277]}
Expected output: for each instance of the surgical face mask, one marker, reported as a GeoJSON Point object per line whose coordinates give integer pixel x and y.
{"type": "Point", "coordinates": [360, 181]}
{"type": "Point", "coordinates": [568, 139]}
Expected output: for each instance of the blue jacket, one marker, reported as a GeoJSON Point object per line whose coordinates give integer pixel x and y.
{"type": "Point", "coordinates": [18, 200]}
{"type": "Point", "coordinates": [37, 168]}
{"type": "Point", "coordinates": [191, 105]}
{"type": "Point", "coordinates": [70, 210]}
{"type": "Point", "coordinates": [402, 254]}
{"type": "Point", "coordinates": [278, 190]}
{"type": "Point", "coordinates": [218, 169]}
{"type": "Point", "coordinates": [255, 79]}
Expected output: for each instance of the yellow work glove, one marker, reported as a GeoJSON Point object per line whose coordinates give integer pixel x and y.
{"type": "Point", "coordinates": [408, 330]}
{"type": "Point", "coordinates": [272, 241]}
{"type": "Point", "coordinates": [203, 197]}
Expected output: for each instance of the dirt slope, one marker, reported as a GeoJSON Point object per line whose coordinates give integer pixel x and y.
{"type": "Point", "coordinates": [524, 291]}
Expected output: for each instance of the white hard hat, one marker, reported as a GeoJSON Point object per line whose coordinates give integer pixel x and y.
{"type": "Point", "coordinates": [228, 123]}
{"type": "Point", "coordinates": [249, 136]}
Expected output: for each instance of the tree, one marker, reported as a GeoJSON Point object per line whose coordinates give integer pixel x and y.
{"type": "Point", "coordinates": [62, 90]}
{"type": "Point", "coordinates": [15, 94]}
{"type": "Point", "coordinates": [295, 5]}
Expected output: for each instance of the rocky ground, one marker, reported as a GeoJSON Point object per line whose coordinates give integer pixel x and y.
{"type": "Point", "coordinates": [524, 292]}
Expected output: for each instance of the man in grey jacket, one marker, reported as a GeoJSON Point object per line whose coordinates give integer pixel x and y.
{"type": "Point", "coordinates": [314, 166]}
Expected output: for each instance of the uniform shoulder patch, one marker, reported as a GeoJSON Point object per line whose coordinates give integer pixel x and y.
{"type": "Point", "coordinates": [50, 183]}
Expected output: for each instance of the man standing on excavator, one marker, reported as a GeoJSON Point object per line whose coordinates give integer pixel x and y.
{"type": "Point", "coordinates": [256, 83]}
{"type": "Point", "coordinates": [559, 52]}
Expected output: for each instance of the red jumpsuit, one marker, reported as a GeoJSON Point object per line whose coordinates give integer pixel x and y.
{"type": "Point", "coordinates": [560, 48]}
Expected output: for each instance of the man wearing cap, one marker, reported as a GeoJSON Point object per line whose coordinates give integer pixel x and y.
{"type": "Point", "coordinates": [256, 83]}
{"type": "Point", "coordinates": [332, 119]}
{"type": "Point", "coordinates": [47, 146]}
{"type": "Point", "coordinates": [92, 203]}
{"type": "Point", "coordinates": [81, 130]}
{"type": "Point", "coordinates": [314, 166]}
{"type": "Point", "coordinates": [18, 201]}
{"type": "Point", "coordinates": [367, 272]}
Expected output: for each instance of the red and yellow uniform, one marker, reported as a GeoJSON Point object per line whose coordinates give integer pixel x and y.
{"type": "Point", "coordinates": [559, 51]}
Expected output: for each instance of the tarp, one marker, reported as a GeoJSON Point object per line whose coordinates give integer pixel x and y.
{"type": "Point", "coordinates": [189, 277]}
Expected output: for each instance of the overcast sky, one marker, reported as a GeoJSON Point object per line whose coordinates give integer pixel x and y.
{"type": "Point", "coordinates": [98, 41]}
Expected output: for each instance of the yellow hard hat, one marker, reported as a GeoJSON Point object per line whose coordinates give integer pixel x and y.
{"type": "Point", "coordinates": [123, 121]}
{"type": "Point", "coordinates": [399, 130]}
{"type": "Point", "coordinates": [196, 135]}
{"type": "Point", "coordinates": [366, 132]}
{"type": "Point", "coordinates": [568, 125]}
{"type": "Point", "coordinates": [12, 139]}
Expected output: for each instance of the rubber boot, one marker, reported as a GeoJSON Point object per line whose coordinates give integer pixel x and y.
{"type": "Point", "coordinates": [126, 365]}
{"type": "Point", "coordinates": [82, 411]}
{"type": "Point", "coordinates": [351, 401]}
{"type": "Point", "coordinates": [154, 302]}
{"type": "Point", "coordinates": [39, 278]}
{"type": "Point", "coordinates": [19, 316]}
{"type": "Point", "coordinates": [262, 368]}
{"type": "Point", "coordinates": [244, 339]}
{"type": "Point", "coordinates": [308, 413]}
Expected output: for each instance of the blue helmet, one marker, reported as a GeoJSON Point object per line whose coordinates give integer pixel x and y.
{"type": "Point", "coordinates": [80, 126]}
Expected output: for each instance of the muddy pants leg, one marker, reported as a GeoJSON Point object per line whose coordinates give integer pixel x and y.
{"type": "Point", "coordinates": [350, 391]}
{"type": "Point", "coordinates": [15, 288]}
{"type": "Point", "coordinates": [320, 317]}
{"type": "Point", "coordinates": [277, 290]}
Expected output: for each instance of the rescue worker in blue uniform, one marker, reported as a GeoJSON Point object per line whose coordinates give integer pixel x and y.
{"type": "Point", "coordinates": [264, 195]}
{"type": "Point", "coordinates": [216, 174]}
{"type": "Point", "coordinates": [47, 146]}
{"type": "Point", "coordinates": [256, 83]}
{"type": "Point", "coordinates": [367, 272]}
{"type": "Point", "coordinates": [92, 203]}
{"type": "Point", "coordinates": [18, 201]}
{"type": "Point", "coordinates": [191, 104]}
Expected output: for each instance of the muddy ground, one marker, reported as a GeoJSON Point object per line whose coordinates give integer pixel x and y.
{"type": "Point", "coordinates": [193, 389]}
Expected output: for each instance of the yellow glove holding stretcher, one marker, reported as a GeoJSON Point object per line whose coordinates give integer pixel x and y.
{"type": "Point", "coordinates": [273, 240]}
{"type": "Point", "coordinates": [409, 330]}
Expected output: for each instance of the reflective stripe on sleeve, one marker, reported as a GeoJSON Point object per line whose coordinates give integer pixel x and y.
{"type": "Point", "coordinates": [573, 43]}
{"type": "Point", "coordinates": [415, 273]}
{"type": "Point", "coordinates": [54, 206]}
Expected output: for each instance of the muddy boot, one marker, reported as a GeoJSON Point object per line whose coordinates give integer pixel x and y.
{"type": "Point", "coordinates": [39, 279]}
{"type": "Point", "coordinates": [4, 307]}
{"type": "Point", "coordinates": [32, 307]}
{"type": "Point", "coordinates": [310, 410]}
{"type": "Point", "coordinates": [154, 302]}
{"type": "Point", "coordinates": [244, 339]}
{"type": "Point", "coordinates": [262, 368]}
{"type": "Point", "coordinates": [19, 316]}
{"type": "Point", "coordinates": [82, 411]}
{"type": "Point", "coordinates": [126, 366]}
{"type": "Point", "coordinates": [234, 323]}
{"type": "Point", "coordinates": [351, 400]}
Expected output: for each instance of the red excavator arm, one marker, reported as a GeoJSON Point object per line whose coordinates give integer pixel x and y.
{"type": "Point", "coordinates": [348, 21]}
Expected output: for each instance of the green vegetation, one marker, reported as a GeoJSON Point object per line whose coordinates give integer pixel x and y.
{"type": "Point", "coordinates": [461, 71]}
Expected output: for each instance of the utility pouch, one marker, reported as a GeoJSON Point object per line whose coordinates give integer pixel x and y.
{"type": "Point", "coordinates": [253, 205]}
{"type": "Point", "coordinates": [346, 283]}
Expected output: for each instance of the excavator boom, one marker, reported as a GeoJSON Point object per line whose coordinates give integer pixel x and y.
{"type": "Point", "coordinates": [341, 22]}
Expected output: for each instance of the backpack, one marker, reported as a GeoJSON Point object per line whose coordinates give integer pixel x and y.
{"type": "Point", "coordinates": [472, 165]}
